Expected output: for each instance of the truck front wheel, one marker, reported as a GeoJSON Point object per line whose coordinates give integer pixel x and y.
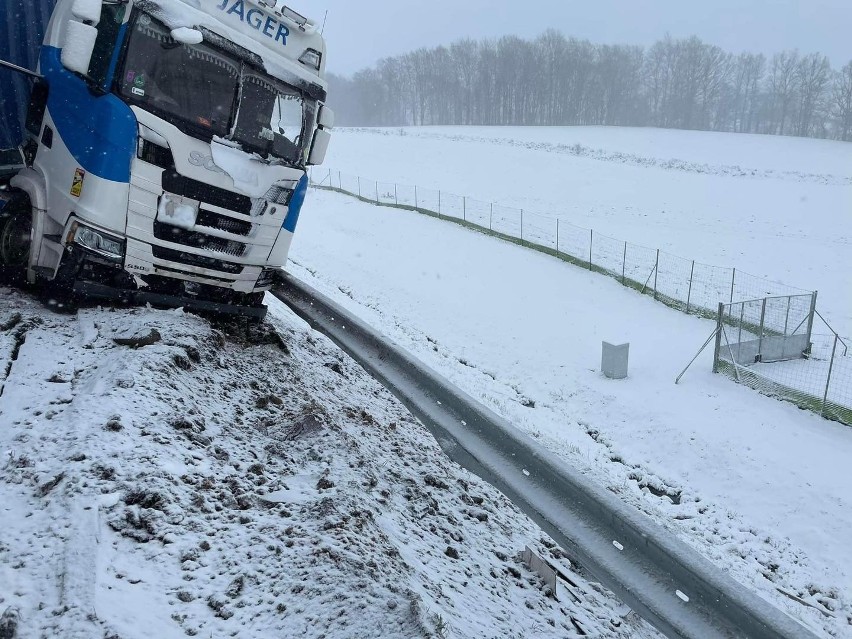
{"type": "Point", "coordinates": [15, 241]}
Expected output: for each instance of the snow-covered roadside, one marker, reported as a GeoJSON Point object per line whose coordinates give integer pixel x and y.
{"type": "Point", "coordinates": [756, 485]}
{"type": "Point", "coordinates": [222, 483]}
{"type": "Point", "coordinates": [774, 207]}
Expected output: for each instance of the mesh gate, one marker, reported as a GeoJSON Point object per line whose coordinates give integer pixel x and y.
{"type": "Point", "coordinates": [770, 345]}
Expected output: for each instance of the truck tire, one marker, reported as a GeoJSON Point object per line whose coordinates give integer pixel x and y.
{"type": "Point", "coordinates": [15, 241]}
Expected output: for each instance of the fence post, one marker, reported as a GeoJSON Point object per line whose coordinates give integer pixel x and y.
{"type": "Point", "coordinates": [377, 191]}
{"type": "Point", "coordinates": [733, 280]}
{"type": "Point", "coordinates": [359, 186]}
{"type": "Point", "coordinates": [787, 317]}
{"type": "Point", "coordinates": [828, 381]}
{"type": "Point", "coordinates": [759, 357]}
{"type": "Point", "coordinates": [557, 237]}
{"type": "Point", "coordinates": [591, 243]}
{"type": "Point", "coordinates": [689, 294]}
{"type": "Point", "coordinates": [656, 272]}
{"type": "Point", "coordinates": [340, 180]}
{"type": "Point", "coordinates": [623, 264]}
{"type": "Point", "coordinates": [395, 195]}
{"type": "Point", "coordinates": [740, 333]}
{"type": "Point", "coordinates": [718, 338]}
{"type": "Point", "coordinates": [416, 205]}
{"type": "Point", "coordinates": [811, 318]}
{"type": "Point", "coordinates": [329, 178]}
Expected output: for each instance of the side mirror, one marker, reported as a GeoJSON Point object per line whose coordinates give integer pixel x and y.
{"type": "Point", "coordinates": [80, 35]}
{"type": "Point", "coordinates": [325, 122]}
{"type": "Point", "coordinates": [319, 148]}
{"type": "Point", "coordinates": [326, 117]}
{"type": "Point", "coordinates": [78, 46]}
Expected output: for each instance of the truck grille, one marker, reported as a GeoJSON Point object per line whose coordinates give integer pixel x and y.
{"type": "Point", "coordinates": [176, 235]}
{"type": "Point", "coordinates": [199, 261]}
{"type": "Point", "coordinates": [174, 182]}
{"type": "Point", "coordinates": [222, 223]}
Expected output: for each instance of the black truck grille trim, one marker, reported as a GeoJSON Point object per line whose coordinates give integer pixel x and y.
{"type": "Point", "coordinates": [212, 220]}
{"type": "Point", "coordinates": [199, 261]}
{"type": "Point", "coordinates": [174, 182]}
{"type": "Point", "coordinates": [177, 235]}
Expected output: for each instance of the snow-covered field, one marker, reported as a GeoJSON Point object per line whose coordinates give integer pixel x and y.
{"type": "Point", "coordinates": [219, 483]}
{"type": "Point", "coordinates": [778, 208]}
{"type": "Point", "coordinates": [758, 486]}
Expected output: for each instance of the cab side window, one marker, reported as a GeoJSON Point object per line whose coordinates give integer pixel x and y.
{"type": "Point", "coordinates": [109, 27]}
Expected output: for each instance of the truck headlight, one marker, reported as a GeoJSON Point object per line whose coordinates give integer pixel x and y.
{"type": "Point", "coordinates": [95, 241]}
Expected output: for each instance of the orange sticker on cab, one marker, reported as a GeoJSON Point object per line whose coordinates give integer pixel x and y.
{"type": "Point", "coordinates": [77, 184]}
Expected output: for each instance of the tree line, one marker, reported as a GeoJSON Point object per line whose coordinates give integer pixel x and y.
{"type": "Point", "coordinates": [556, 80]}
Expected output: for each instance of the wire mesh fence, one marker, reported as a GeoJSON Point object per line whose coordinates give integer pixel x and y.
{"type": "Point", "coordinates": [688, 285]}
{"type": "Point", "coordinates": [770, 345]}
{"type": "Point", "coordinates": [766, 341]}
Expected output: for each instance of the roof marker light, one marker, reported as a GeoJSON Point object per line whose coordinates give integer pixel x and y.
{"type": "Point", "coordinates": [293, 16]}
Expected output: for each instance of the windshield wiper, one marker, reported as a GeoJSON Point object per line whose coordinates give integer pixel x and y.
{"type": "Point", "coordinates": [235, 105]}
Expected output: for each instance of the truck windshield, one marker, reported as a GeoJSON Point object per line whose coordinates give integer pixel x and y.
{"type": "Point", "coordinates": [213, 93]}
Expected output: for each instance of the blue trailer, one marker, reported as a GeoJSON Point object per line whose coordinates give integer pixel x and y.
{"type": "Point", "coordinates": [23, 24]}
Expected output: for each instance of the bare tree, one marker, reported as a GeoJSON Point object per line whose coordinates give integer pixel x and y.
{"type": "Point", "coordinates": [714, 72]}
{"type": "Point", "coordinates": [841, 102]}
{"type": "Point", "coordinates": [783, 86]}
{"type": "Point", "coordinates": [658, 72]}
{"type": "Point", "coordinates": [554, 80]}
{"type": "Point", "coordinates": [748, 71]}
{"type": "Point", "coordinates": [812, 77]}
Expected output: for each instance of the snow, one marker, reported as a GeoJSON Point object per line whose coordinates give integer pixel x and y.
{"type": "Point", "coordinates": [176, 212]}
{"type": "Point", "coordinates": [87, 10]}
{"type": "Point", "coordinates": [756, 485]}
{"type": "Point", "coordinates": [697, 150]}
{"type": "Point", "coordinates": [230, 481]}
{"type": "Point", "coordinates": [777, 208]}
{"type": "Point", "coordinates": [251, 176]}
{"type": "Point", "coordinates": [175, 14]}
{"type": "Point", "coordinates": [186, 35]}
{"type": "Point", "coordinates": [236, 481]}
{"type": "Point", "coordinates": [78, 46]}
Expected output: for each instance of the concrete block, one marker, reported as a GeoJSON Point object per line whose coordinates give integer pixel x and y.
{"type": "Point", "coordinates": [614, 360]}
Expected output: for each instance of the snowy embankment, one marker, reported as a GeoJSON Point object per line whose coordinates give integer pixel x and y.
{"type": "Point", "coordinates": [777, 208]}
{"type": "Point", "coordinates": [759, 487]}
{"type": "Point", "coordinates": [212, 481]}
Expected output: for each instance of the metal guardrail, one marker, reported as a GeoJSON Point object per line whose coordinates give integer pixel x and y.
{"type": "Point", "coordinates": [670, 585]}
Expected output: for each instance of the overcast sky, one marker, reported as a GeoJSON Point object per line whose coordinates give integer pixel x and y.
{"type": "Point", "coordinates": [360, 32]}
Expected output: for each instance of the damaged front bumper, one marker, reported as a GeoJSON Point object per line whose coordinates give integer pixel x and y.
{"type": "Point", "coordinates": [92, 274]}
{"type": "Point", "coordinates": [95, 290]}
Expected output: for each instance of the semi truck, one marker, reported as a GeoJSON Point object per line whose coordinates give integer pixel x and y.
{"type": "Point", "coordinates": [165, 150]}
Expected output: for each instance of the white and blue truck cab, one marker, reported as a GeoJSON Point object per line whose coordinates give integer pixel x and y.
{"type": "Point", "coordinates": [166, 149]}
